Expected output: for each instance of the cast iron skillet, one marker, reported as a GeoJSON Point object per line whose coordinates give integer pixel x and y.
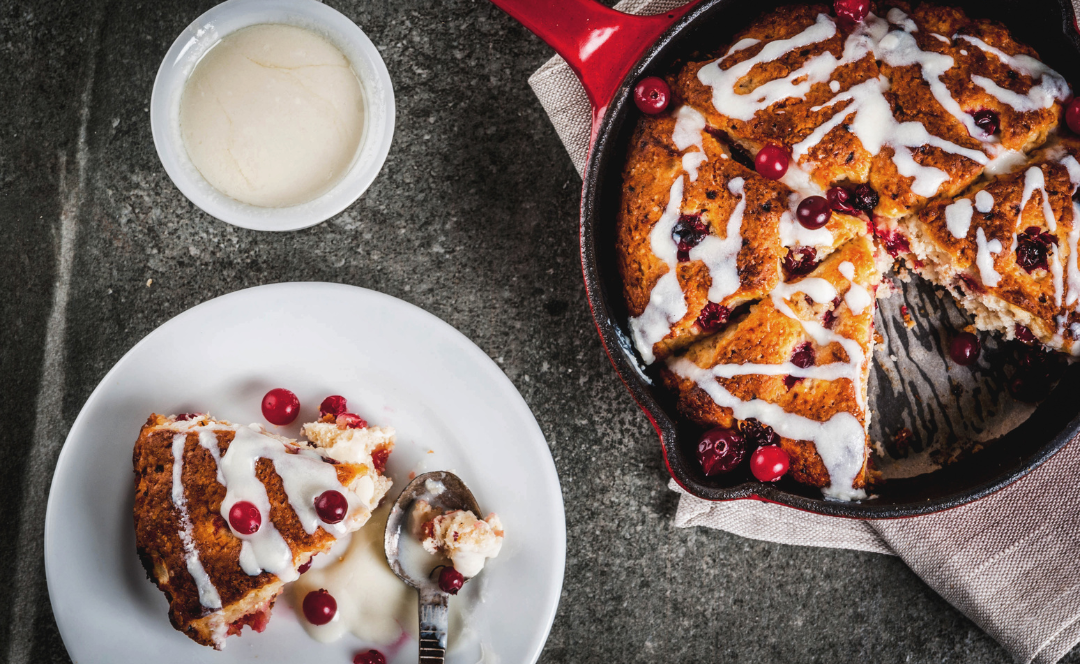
{"type": "Point", "coordinates": [610, 51]}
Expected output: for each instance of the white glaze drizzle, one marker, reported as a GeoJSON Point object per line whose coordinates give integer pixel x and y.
{"type": "Point", "coordinates": [985, 260]}
{"type": "Point", "coordinates": [208, 594]}
{"type": "Point", "coordinates": [898, 17]}
{"type": "Point", "coordinates": [1073, 296]}
{"type": "Point", "coordinates": [1051, 85]}
{"type": "Point", "coordinates": [857, 297]}
{"type": "Point", "coordinates": [940, 37]}
{"type": "Point", "coordinates": [667, 304]}
{"type": "Point", "coordinates": [720, 255]}
{"type": "Point", "coordinates": [1035, 181]}
{"type": "Point", "coordinates": [958, 218]}
{"type": "Point", "coordinates": [304, 476]}
{"type": "Point", "coordinates": [984, 202]}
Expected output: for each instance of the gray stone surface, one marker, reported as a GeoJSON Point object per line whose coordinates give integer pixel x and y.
{"type": "Point", "coordinates": [474, 219]}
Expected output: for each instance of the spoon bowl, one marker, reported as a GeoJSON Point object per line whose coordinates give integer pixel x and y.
{"type": "Point", "coordinates": [446, 492]}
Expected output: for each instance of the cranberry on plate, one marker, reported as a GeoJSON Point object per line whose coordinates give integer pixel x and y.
{"type": "Point", "coordinates": [769, 463]}
{"type": "Point", "coordinates": [331, 506]}
{"type": "Point", "coordinates": [280, 406]}
{"type": "Point", "coordinates": [245, 518]}
{"type": "Point", "coordinates": [772, 162]}
{"type": "Point", "coordinates": [852, 11]}
{"type": "Point", "coordinates": [721, 450]}
{"type": "Point", "coordinates": [652, 95]}
{"type": "Point", "coordinates": [369, 657]}
{"type": "Point", "coordinates": [813, 212]}
{"type": "Point", "coordinates": [964, 348]}
{"type": "Point", "coordinates": [450, 580]}
{"type": "Point", "coordinates": [319, 606]}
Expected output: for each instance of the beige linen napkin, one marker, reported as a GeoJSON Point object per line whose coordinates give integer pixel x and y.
{"type": "Point", "coordinates": [1010, 562]}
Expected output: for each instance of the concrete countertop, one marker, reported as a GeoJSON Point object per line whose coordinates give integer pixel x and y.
{"type": "Point", "coordinates": [474, 218]}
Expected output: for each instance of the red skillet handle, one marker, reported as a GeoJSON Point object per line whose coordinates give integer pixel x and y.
{"type": "Point", "coordinates": [599, 44]}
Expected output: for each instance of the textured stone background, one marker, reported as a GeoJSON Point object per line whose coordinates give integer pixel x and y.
{"type": "Point", "coordinates": [474, 219]}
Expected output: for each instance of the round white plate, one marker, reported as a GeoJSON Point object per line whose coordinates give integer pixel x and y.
{"type": "Point", "coordinates": [397, 365]}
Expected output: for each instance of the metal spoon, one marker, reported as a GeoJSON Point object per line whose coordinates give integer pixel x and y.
{"type": "Point", "coordinates": [433, 601]}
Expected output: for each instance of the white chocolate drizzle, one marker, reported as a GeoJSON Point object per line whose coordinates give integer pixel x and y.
{"type": "Point", "coordinates": [667, 304]}
{"type": "Point", "coordinates": [984, 258]}
{"type": "Point", "coordinates": [857, 297]}
{"type": "Point", "coordinates": [1050, 88]}
{"type": "Point", "coordinates": [208, 594]}
{"type": "Point", "coordinates": [984, 203]}
{"type": "Point", "coordinates": [958, 217]}
{"type": "Point", "coordinates": [720, 255]}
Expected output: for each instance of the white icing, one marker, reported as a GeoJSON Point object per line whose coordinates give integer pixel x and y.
{"type": "Point", "coordinates": [819, 290]}
{"type": "Point", "coordinates": [688, 127]}
{"type": "Point", "coordinates": [1071, 165]}
{"type": "Point", "coordinates": [958, 217]}
{"type": "Point", "coordinates": [720, 255]}
{"type": "Point", "coordinates": [1055, 273]}
{"type": "Point", "coordinates": [834, 86]}
{"type": "Point", "coordinates": [1034, 180]}
{"type": "Point", "coordinates": [985, 260]}
{"type": "Point", "coordinates": [1005, 161]}
{"type": "Point", "coordinates": [208, 594]}
{"type": "Point", "coordinates": [691, 162]}
{"type": "Point", "coordinates": [984, 202]}
{"type": "Point", "coordinates": [794, 234]}
{"type": "Point", "coordinates": [897, 17]}
{"type": "Point", "coordinates": [857, 297]}
{"type": "Point", "coordinates": [742, 44]}
{"type": "Point", "coordinates": [304, 477]}
{"type": "Point", "coordinates": [1051, 85]}
{"type": "Point", "coordinates": [942, 38]}
{"type": "Point", "coordinates": [1073, 296]}
{"type": "Point", "coordinates": [667, 304]}
{"type": "Point", "coordinates": [840, 441]}
{"type": "Point", "coordinates": [798, 179]}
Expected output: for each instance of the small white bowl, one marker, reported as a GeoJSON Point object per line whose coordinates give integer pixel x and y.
{"type": "Point", "coordinates": [207, 30]}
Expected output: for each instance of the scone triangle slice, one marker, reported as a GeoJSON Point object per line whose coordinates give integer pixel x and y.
{"type": "Point", "coordinates": [798, 363]}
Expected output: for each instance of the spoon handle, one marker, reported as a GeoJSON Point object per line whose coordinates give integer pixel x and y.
{"type": "Point", "coordinates": [433, 620]}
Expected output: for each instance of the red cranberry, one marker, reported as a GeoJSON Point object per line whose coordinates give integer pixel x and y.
{"type": "Point", "coordinates": [895, 242]}
{"type": "Point", "coordinates": [319, 607]}
{"type": "Point", "coordinates": [757, 434]}
{"type": "Point", "coordinates": [840, 200]}
{"type": "Point", "coordinates": [803, 356]}
{"type": "Point", "coordinates": [244, 518]}
{"type": "Point", "coordinates": [333, 405]}
{"type": "Point", "coordinates": [369, 657]}
{"type": "Point", "coordinates": [828, 319]}
{"type": "Point", "coordinates": [306, 566]}
{"type": "Point", "coordinates": [852, 11]}
{"type": "Point", "coordinates": [801, 261]}
{"type": "Point", "coordinates": [865, 199]}
{"type": "Point", "coordinates": [450, 580]}
{"type": "Point", "coordinates": [331, 506]}
{"type": "Point", "coordinates": [651, 95]}
{"type": "Point", "coordinates": [769, 463]}
{"type": "Point", "coordinates": [183, 417]}
{"type": "Point", "coordinates": [351, 421]}
{"type": "Point", "coordinates": [1033, 248]}
{"type": "Point", "coordinates": [1024, 334]}
{"type": "Point", "coordinates": [813, 212]}
{"type": "Point", "coordinates": [688, 232]}
{"type": "Point", "coordinates": [1072, 115]}
{"type": "Point", "coordinates": [988, 121]}
{"type": "Point", "coordinates": [772, 161]}
{"type": "Point", "coordinates": [964, 348]}
{"type": "Point", "coordinates": [378, 459]}
{"type": "Point", "coordinates": [280, 406]}
{"type": "Point", "coordinates": [712, 316]}
{"type": "Point", "coordinates": [721, 450]}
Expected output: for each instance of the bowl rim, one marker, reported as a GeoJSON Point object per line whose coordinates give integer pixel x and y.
{"type": "Point", "coordinates": [228, 17]}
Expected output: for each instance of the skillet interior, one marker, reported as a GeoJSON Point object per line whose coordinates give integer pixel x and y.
{"type": "Point", "coordinates": [1047, 25]}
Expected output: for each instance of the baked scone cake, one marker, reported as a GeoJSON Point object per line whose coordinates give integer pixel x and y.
{"type": "Point", "coordinates": [1007, 249]}
{"type": "Point", "coordinates": [225, 515]}
{"type": "Point", "coordinates": [911, 131]}
{"type": "Point", "coordinates": [796, 365]}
